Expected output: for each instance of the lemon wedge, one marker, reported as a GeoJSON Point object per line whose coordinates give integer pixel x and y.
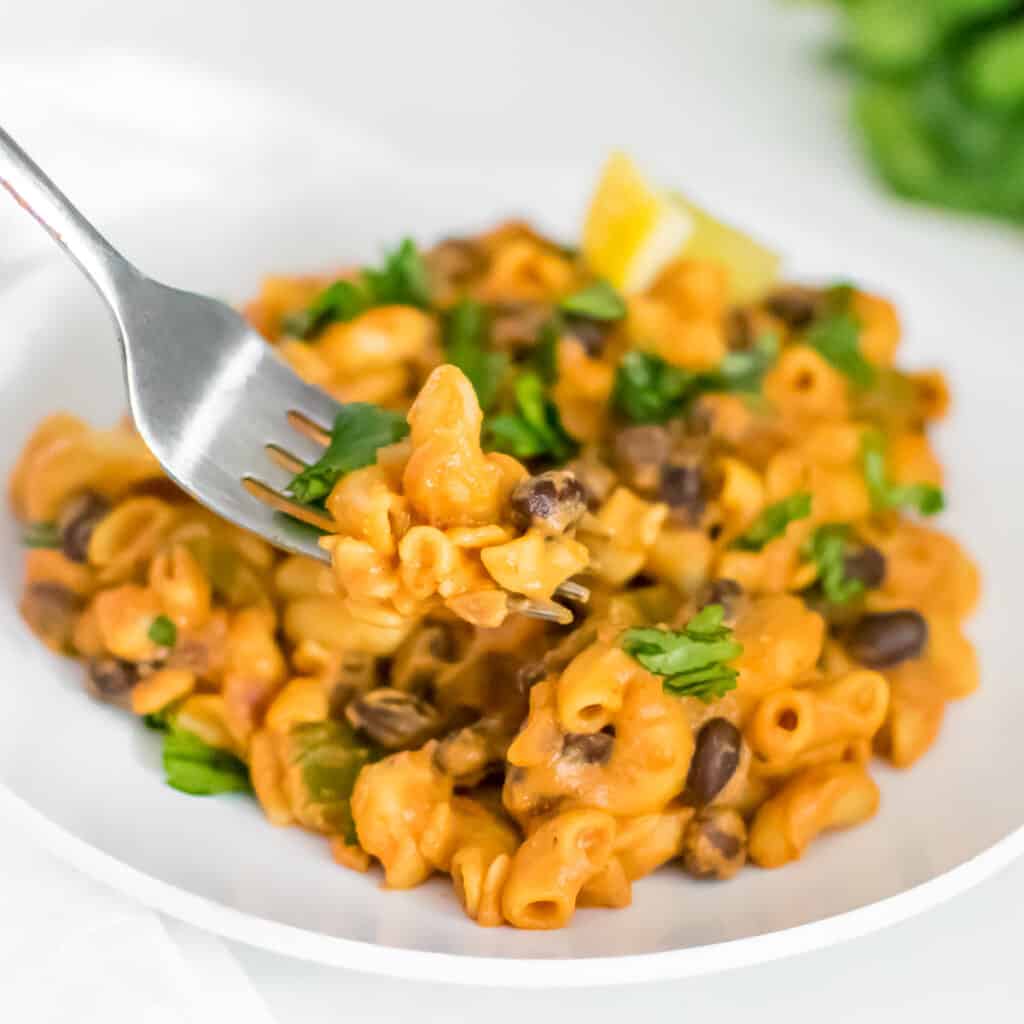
{"type": "Point", "coordinates": [633, 231]}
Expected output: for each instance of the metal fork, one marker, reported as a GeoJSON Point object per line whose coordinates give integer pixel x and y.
{"type": "Point", "coordinates": [206, 391]}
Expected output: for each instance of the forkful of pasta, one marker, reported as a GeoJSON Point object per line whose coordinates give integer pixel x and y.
{"type": "Point", "coordinates": [406, 514]}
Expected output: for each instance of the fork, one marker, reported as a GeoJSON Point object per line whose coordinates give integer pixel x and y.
{"type": "Point", "coordinates": [205, 389]}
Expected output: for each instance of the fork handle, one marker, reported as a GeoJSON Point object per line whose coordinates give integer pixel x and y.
{"type": "Point", "coordinates": [39, 196]}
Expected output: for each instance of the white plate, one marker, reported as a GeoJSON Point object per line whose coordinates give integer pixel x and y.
{"type": "Point", "coordinates": [87, 779]}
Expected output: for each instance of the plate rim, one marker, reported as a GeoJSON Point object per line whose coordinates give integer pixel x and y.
{"type": "Point", "coordinates": [556, 972]}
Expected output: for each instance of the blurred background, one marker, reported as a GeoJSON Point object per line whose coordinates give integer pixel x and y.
{"type": "Point", "coordinates": [799, 105]}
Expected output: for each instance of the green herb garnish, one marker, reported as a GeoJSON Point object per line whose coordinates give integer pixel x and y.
{"type": "Point", "coordinates": [743, 371]}
{"type": "Point", "coordinates": [535, 428]}
{"type": "Point", "coordinates": [927, 499]}
{"type": "Point", "coordinates": [163, 632]}
{"type": "Point", "coordinates": [359, 430]}
{"type": "Point", "coordinates": [158, 721]}
{"type": "Point", "coordinates": [194, 767]}
{"type": "Point", "coordinates": [694, 660]}
{"type": "Point", "coordinates": [544, 357]}
{"type": "Point", "coordinates": [465, 341]}
{"type": "Point", "coordinates": [835, 336]}
{"type": "Point", "coordinates": [401, 280]}
{"type": "Point", "coordinates": [772, 522]}
{"type": "Point", "coordinates": [649, 390]}
{"type": "Point", "coordinates": [337, 303]}
{"type": "Point", "coordinates": [41, 535]}
{"type": "Point", "coordinates": [826, 547]}
{"type": "Point", "coordinates": [598, 301]}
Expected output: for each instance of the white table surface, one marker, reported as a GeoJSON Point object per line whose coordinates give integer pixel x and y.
{"type": "Point", "coordinates": [688, 86]}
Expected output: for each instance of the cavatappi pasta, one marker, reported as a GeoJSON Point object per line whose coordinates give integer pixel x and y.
{"type": "Point", "coordinates": [740, 484]}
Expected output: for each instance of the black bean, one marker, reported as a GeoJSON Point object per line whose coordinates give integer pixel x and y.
{"type": "Point", "coordinates": [639, 455]}
{"type": "Point", "coordinates": [681, 487]}
{"type": "Point", "coordinates": [552, 501]}
{"type": "Point", "coordinates": [111, 680]}
{"type": "Point", "coordinates": [591, 334]}
{"type": "Point", "coordinates": [470, 751]}
{"type": "Point", "coordinates": [587, 747]}
{"type": "Point", "coordinates": [394, 719]}
{"type": "Point", "coordinates": [740, 333]}
{"type": "Point", "coordinates": [77, 521]}
{"type": "Point", "coordinates": [866, 564]}
{"type": "Point", "coordinates": [455, 261]}
{"type": "Point", "coordinates": [728, 593]}
{"type": "Point", "coordinates": [50, 608]}
{"type": "Point", "coordinates": [517, 325]}
{"type": "Point", "coordinates": [883, 639]}
{"type": "Point", "coordinates": [441, 641]}
{"type": "Point", "coordinates": [700, 420]}
{"type": "Point", "coordinates": [795, 306]}
{"type": "Point", "coordinates": [715, 844]}
{"type": "Point", "coordinates": [714, 762]}
{"type": "Point", "coordinates": [528, 675]}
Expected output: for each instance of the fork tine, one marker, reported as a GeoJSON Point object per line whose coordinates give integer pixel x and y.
{"type": "Point", "coordinates": [550, 611]}
{"type": "Point", "coordinates": [308, 427]}
{"type": "Point", "coordinates": [284, 458]}
{"type": "Point", "coordinates": [573, 591]}
{"type": "Point", "coordinates": [290, 507]}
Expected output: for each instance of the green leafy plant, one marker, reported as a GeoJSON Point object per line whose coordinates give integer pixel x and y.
{"type": "Point", "coordinates": [939, 98]}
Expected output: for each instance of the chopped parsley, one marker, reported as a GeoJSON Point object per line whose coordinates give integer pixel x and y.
{"type": "Point", "coordinates": [465, 342]}
{"type": "Point", "coordinates": [535, 428]}
{"type": "Point", "coordinates": [545, 353]}
{"type": "Point", "coordinates": [598, 301]}
{"type": "Point", "coordinates": [41, 535]}
{"type": "Point", "coordinates": [401, 280]}
{"type": "Point", "coordinates": [192, 766]}
{"type": "Point", "coordinates": [835, 336]}
{"type": "Point", "coordinates": [163, 632]}
{"type": "Point", "coordinates": [827, 548]}
{"type": "Point", "coordinates": [694, 661]}
{"type": "Point", "coordinates": [772, 522]}
{"type": "Point", "coordinates": [744, 370]}
{"type": "Point", "coordinates": [359, 430]}
{"type": "Point", "coordinates": [650, 390]}
{"type": "Point", "coordinates": [927, 499]}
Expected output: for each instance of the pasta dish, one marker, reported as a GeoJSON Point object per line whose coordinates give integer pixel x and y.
{"type": "Point", "coordinates": [627, 563]}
